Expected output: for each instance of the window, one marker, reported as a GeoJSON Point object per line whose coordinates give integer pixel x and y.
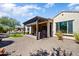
{"type": "Point", "coordinates": [70, 27]}
{"type": "Point", "coordinates": [65, 27]}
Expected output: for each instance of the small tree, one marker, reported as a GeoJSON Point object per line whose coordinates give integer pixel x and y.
{"type": "Point", "coordinates": [76, 35]}
{"type": "Point", "coordinates": [1, 28]}
{"type": "Point", "coordinates": [8, 24]}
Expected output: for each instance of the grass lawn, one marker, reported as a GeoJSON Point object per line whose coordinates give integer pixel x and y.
{"type": "Point", "coordinates": [16, 35]}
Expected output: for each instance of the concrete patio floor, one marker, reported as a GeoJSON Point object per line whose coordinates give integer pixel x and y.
{"type": "Point", "coordinates": [24, 45]}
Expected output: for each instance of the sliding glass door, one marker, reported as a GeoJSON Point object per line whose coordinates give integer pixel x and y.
{"type": "Point", "coordinates": [65, 27]}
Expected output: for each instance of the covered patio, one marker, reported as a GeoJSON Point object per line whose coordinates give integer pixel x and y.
{"type": "Point", "coordinates": [40, 27]}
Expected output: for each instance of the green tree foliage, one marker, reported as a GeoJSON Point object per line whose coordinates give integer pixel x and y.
{"type": "Point", "coordinates": [7, 23]}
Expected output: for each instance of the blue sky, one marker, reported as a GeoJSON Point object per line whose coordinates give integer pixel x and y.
{"type": "Point", "coordinates": [25, 11]}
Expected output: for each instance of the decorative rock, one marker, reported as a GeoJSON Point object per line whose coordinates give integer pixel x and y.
{"type": "Point", "coordinates": [2, 51]}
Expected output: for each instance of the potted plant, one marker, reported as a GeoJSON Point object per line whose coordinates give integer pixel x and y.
{"type": "Point", "coordinates": [76, 35]}
{"type": "Point", "coordinates": [59, 34]}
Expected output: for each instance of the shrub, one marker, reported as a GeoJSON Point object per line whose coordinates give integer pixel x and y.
{"type": "Point", "coordinates": [76, 35]}
{"type": "Point", "coordinates": [40, 52]}
{"type": "Point", "coordinates": [30, 33]}
{"type": "Point", "coordinates": [59, 35]}
{"type": "Point", "coordinates": [54, 52]}
{"type": "Point", "coordinates": [26, 32]}
{"type": "Point", "coordinates": [1, 29]}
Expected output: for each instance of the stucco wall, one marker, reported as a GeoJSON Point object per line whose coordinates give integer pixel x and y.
{"type": "Point", "coordinates": [26, 29]}
{"type": "Point", "coordinates": [65, 16]}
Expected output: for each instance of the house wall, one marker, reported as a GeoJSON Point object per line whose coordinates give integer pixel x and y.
{"type": "Point", "coordinates": [26, 29]}
{"type": "Point", "coordinates": [65, 16]}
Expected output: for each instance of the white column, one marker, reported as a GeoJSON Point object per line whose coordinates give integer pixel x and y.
{"type": "Point", "coordinates": [48, 29]}
{"type": "Point", "coordinates": [24, 29]}
{"type": "Point", "coordinates": [30, 30]}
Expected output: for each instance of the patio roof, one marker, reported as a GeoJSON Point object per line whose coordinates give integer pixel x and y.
{"type": "Point", "coordinates": [35, 19]}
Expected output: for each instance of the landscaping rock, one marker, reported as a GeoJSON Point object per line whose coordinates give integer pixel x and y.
{"type": "Point", "coordinates": [2, 51]}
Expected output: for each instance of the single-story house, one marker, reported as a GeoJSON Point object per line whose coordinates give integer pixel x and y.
{"type": "Point", "coordinates": [40, 27]}
{"type": "Point", "coordinates": [65, 21]}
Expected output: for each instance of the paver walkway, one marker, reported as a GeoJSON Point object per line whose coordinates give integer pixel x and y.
{"type": "Point", "coordinates": [25, 45]}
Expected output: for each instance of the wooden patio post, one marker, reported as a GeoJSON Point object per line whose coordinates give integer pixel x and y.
{"type": "Point", "coordinates": [48, 29]}
{"type": "Point", "coordinates": [37, 29]}
{"type": "Point", "coordinates": [52, 28]}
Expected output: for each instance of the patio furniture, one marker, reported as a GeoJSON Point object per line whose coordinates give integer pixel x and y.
{"type": "Point", "coordinates": [43, 34]}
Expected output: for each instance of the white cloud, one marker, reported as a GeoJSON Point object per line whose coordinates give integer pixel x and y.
{"type": "Point", "coordinates": [31, 7]}
{"type": "Point", "coordinates": [3, 14]}
{"type": "Point", "coordinates": [28, 15]}
{"type": "Point", "coordinates": [7, 7]}
{"type": "Point", "coordinates": [49, 5]}
{"type": "Point", "coordinates": [13, 9]}
{"type": "Point", "coordinates": [24, 9]}
{"type": "Point", "coordinates": [77, 8]}
{"type": "Point", "coordinates": [73, 6]}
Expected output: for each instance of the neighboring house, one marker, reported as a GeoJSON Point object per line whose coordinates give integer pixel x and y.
{"type": "Point", "coordinates": [67, 22]}
{"type": "Point", "coordinates": [40, 27]}
{"type": "Point", "coordinates": [19, 29]}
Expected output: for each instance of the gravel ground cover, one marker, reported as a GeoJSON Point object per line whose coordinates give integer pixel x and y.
{"type": "Point", "coordinates": [22, 46]}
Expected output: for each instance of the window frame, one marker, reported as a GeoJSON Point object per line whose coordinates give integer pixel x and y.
{"type": "Point", "coordinates": [67, 26]}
